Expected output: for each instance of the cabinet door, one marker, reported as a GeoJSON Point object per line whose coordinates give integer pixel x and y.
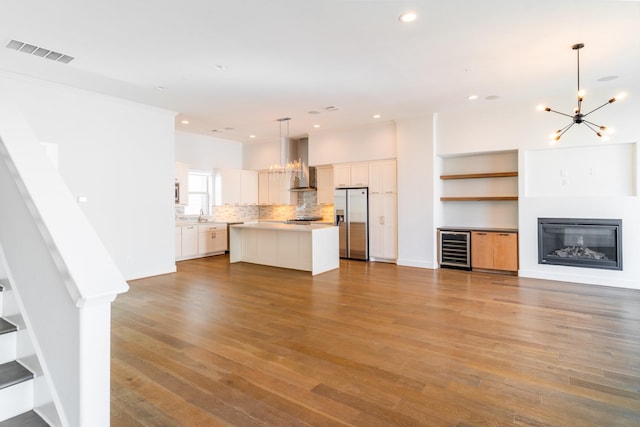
{"type": "Point", "coordinates": [219, 237]}
{"type": "Point", "coordinates": [275, 190]}
{"type": "Point", "coordinates": [383, 229]}
{"type": "Point", "coordinates": [189, 240]}
{"type": "Point", "coordinates": [376, 226]}
{"type": "Point", "coordinates": [212, 238]}
{"type": "Point", "coordinates": [325, 185]}
{"type": "Point", "coordinates": [505, 251]}
{"type": "Point", "coordinates": [229, 187]}
{"type": "Point", "coordinates": [390, 226]}
{"type": "Point", "coordinates": [249, 187]}
{"type": "Point", "coordinates": [341, 175]}
{"type": "Point", "coordinates": [263, 188]}
{"type": "Point", "coordinates": [389, 174]}
{"type": "Point", "coordinates": [482, 249]}
{"type": "Point", "coordinates": [359, 174]}
{"type": "Point", "coordinates": [375, 178]}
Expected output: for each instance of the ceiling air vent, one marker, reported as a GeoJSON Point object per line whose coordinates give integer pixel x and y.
{"type": "Point", "coordinates": [39, 51]}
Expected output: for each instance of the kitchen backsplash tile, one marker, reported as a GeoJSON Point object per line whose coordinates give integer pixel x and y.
{"type": "Point", "coordinates": [307, 206]}
{"type": "Point", "coordinates": [235, 213]}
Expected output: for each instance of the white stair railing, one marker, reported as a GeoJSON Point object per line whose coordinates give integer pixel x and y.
{"type": "Point", "coordinates": [62, 275]}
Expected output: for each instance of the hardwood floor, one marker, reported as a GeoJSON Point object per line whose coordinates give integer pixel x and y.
{"type": "Point", "coordinates": [372, 344]}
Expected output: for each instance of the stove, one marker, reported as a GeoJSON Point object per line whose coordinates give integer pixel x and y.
{"type": "Point", "coordinates": [304, 219]}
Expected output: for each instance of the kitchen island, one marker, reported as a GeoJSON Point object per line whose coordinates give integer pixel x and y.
{"type": "Point", "coordinates": [308, 247]}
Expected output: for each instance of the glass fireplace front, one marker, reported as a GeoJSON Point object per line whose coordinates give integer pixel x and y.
{"type": "Point", "coordinates": [579, 242]}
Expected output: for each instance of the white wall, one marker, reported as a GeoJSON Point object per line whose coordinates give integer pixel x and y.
{"type": "Point", "coordinates": [206, 153]}
{"type": "Point", "coordinates": [118, 154]}
{"type": "Point", "coordinates": [416, 229]}
{"type": "Point", "coordinates": [376, 142]}
{"type": "Point", "coordinates": [517, 125]}
{"type": "Point", "coordinates": [260, 156]}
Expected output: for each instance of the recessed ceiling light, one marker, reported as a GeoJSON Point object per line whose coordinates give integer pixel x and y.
{"type": "Point", "coordinates": [185, 122]}
{"type": "Point", "coordinates": [376, 116]}
{"type": "Point", "coordinates": [492, 97]}
{"type": "Point", "coordinates": [408, 17]}
{"type": "Point", "coordinates": [252, 136]}
{"type": "Point", "coordinates": [313, 112]}
{"type": "Point", "coordinates": [161, 88]}
{"type": "Point", "coordinates": [472, 97]}
{"type": "Point", "coordinates": [222, 67]}
{"type": "Point", "coordinates": [316, 126]}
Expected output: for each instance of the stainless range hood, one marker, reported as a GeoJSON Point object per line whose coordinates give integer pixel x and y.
{"type": "Point", "coordinates": [297, 150]}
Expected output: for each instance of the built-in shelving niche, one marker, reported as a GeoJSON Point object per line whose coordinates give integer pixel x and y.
{"type": "Point", "coordinates": [480, 190]}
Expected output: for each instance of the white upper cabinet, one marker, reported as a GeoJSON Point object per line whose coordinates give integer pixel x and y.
{"type": "Point", "coordinates": [342, 175]}
{"type": "Point", "coordinates": [324, 181]}
{"type": "Point", "coordinates": [351, 175]}
{"type": "Point", "coordinates": [382, 177]}
{"type": "Point", "coordinates": [249, 187]}
{"type": "Point", "coordinates": [359, 174]}
{"type": "Point", "coordinates": [273, 189]}
{"type": "Point", "coordinates": [235, 187]}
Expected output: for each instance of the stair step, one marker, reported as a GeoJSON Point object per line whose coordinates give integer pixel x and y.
{"type": "Point", "coordinates": [13, 373]}
{"type": "Point", "coordinates": [28, 419]}
{"type": "Point", "coordinates": [6, 327]}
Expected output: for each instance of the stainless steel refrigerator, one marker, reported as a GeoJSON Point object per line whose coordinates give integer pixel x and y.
{"type": "Point", "coordinates": [352, 218]}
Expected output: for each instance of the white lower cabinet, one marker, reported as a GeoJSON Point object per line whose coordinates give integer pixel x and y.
{"type": "Point", "coordinates": [193, 241]}
{"type": "Point", "coordinates": [189, 241]}
{"type": "Point", "coordinates": [383, 226]}
{"type": "Point", "coordinates": [212, 238]}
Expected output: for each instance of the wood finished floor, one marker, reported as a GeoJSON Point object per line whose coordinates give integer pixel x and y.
{"type": "Point", "coordinates": [371, 344]}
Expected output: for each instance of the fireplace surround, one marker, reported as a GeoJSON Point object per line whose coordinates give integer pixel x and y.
{"type": "Point", "coordinates": [580, 242]}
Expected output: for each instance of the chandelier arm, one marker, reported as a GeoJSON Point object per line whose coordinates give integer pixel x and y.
{"type": "Point", "coordinates": [595, 109]}
{"type": "Point", "coordinates": [566, 128]}
{"type": "Point", "coordinates": [594, 130]}
{"type": "Point", "coordinates": [558, 112]}
{"type": "Point", "coordinates": [592, 124]}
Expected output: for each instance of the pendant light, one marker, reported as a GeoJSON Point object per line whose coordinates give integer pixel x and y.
{"type": "Point", "coordinates": [578, 117]}
{"type": "Point", "coordinates": [286, 166]}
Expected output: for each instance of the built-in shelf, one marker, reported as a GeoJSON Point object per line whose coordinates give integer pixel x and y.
{"type": "Point", "coordinates": [480, 175]}
{"type": "Point", "coordinates": [477, 198]}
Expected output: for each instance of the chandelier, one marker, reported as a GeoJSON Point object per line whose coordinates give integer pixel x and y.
{"type": "Point", "coordinates": [286, 166]}
{"type": "Point", "coordinates": [578, 117]}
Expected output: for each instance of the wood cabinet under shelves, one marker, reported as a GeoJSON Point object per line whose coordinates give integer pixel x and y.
{"type": "Point", "coordinates": [493, 250]}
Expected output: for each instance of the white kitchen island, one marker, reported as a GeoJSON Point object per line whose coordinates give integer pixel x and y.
{"type": "Point", "coordinates": [312, 247]}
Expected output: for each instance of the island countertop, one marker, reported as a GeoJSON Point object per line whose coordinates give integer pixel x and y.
{"type": "Point", "coordinates": [282, 226]}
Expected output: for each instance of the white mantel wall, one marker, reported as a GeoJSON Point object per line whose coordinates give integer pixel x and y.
{"type": "Point", "coordinates": [118, 154]}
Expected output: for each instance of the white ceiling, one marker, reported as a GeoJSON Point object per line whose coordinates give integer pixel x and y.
{"type": "Point", "coordinates": [284, 58]}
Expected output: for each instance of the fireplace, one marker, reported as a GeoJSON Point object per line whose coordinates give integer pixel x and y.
{"type": "Point", "coordinates": [578, 242]}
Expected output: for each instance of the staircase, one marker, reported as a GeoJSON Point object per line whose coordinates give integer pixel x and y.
{"type": "Point", "coordinates": [16, 381]}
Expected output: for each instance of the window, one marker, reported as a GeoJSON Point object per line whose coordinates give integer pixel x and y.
{"type": "Point", "coordinates": [199, 189]}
